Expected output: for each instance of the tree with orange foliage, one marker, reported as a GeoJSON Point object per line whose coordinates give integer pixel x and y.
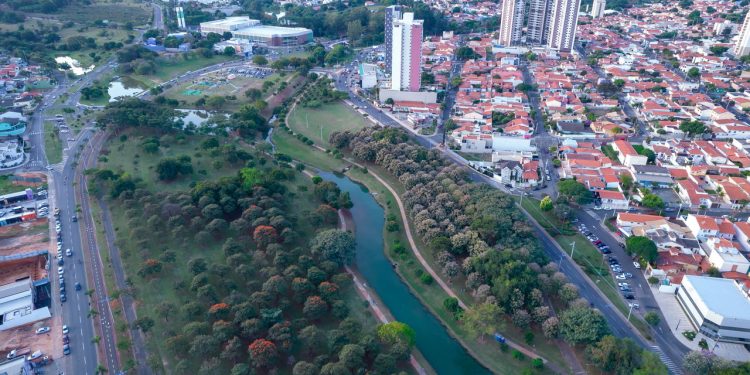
{"type": "Point", "coordinates": [219, 311]}
{"type": "Point", "coordinates": [265, 235]}
{"type": "Point", "coordinates": [263, 353]}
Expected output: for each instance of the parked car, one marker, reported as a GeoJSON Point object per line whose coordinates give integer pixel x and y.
{"type": "Point", "coordinates": [13, 353]}
{"type": "Point", "coordinates": [65, 329]}
{"type": "Point", "coordinates": [628, 275]}
{"type": "Point", "coordinates": [66, 339]}
{"type": "Point", "coordinates": [628, 295]}
{"type": "Point", "coordinates": [634, 305]}
{"type": "Point", "coordinates": [620, 277]}
{"type": "Point", "coordinates": [63, 298]}
{"type": "Point", "coordinates": [637, 265]}
{"type": "Point", "coordinates": [60, 270]}
{"type": "Point", "coordinates": [41, 330]}
{"type": "Point", "coordinates": [66, 349]}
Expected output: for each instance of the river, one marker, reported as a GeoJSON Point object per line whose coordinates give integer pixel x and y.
{"type": "Point", "coordinates": [443, 352]}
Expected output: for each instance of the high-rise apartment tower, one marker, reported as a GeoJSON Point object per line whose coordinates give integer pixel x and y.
{"type": "Point", "coordinates": [392, 13]}
{"type": "Point", "coordinates": [597, 8]}
{"type": "Point", "coordinates": [562, 26]}
{"type": "Point", "coordinates": [548, 22]}
{"type": "Point", "coordinates": [742, 48]}
{"type": "Point", "coordinates": [406, 53]}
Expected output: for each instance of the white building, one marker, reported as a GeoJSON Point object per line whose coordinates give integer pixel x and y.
{"type": "Point", "coordinates": [597, 8]}
{"type": "Point", "coordinates": [742, 47]}
{"type": "Point", "coordinates": [406, 53]}
{"type": "Point", "coordinates": [702, 226]}
{"type": "Point", "coordinates": [562, 25]}
{"type": "Point", "coordinates": [716, 307]}
{"type": "Point", "coordinates": [725, 257]}
{"type": "Point", "coordinates": [229, 24]}
{"type": "Point", "coordinates": [511, 23]}
{"type": "Point", "coordinates": [17, 305]}
{"type": "Point", "coordinates": [368, 73]}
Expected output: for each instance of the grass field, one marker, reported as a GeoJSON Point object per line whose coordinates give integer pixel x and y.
{"type": "Point", "coordinates": [289, 145]}
{"type": "Point", "coordinates": [122, 12]}
{"type": "Point", "coordinates": [7, 186]}
{"type": "Point", "coordinates": [142, 164]}
{"type": "Point", "coordinates": [318, 123]}
{"type": "Point", "coordinates": [216, 84]}
{"type": "Point", "coordinates": [52, 143]}
{"type": "Point", "coordinates": [168, 68]}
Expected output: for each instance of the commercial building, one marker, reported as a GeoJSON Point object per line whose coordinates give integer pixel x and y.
{"type": "Point", "coordinates": [368, 73]}
{"type": "Point", "coordinates": [406, 53]}
{"type": "Point", "coordinates": [716, 307]}
{"type": "Point", "coordinates": [17, 305]}
{"type": "Point", "coordinates": [562, 25]}
{"type": "Point", "coordinates": [252, 31]}
{"type": "Point", "coordinates": [392, 13]}
{"type": "Point", "coordinates": [597, 8]}
{"type": "Point", "coordinates": [511, 23]}
{"type": "Point", "coordinates": [229, 24]}
{"type": "Point", "coordinates": [742, 47]}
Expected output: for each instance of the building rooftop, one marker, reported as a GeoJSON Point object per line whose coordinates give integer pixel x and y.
{"type": "Point", "coordinates": [271, 31]}
{"type": "Point", "coordinates": [721, 296]}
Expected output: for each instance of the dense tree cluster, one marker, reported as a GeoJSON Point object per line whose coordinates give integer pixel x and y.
{"type": "Point", "coordinates": [320, 92]}
{"type": "Point", "coordinates": [269, 300]}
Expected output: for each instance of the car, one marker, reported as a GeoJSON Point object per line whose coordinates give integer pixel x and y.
{"type": "Point", "coordinates": [34, 355]}
{"type": "Point", "coordinates": [628, 295]}
{"type": "Point", "coordinates": [62, 288]}
{"type": "Point", "coordinates": [65, 329]}
{"type": "Point", "coordinates": [60, 262]}
{"type": "Point", "coordinates": [628, 275]}
{"type": "Point", "coordinates": [78, 286]}
{"type": "Point", "coordinates": [606, 251]}
{"type": "Point", "coordinates": [597, 242]}
{"type": "Point", "coordinates": [623, 284]}
{"type": "Point", "coordinates": [66, 339]}
{"type": "Point", "coordinates": [637, 265]}
{"type": "Point", "coordinates": [63, 298]}
{"type": "Point", "coordinates": [68, 252]}
{"type": "Point", "coordinates": [66, 349]}
{"type": "Point", "coordinates": [74, 218]}
{"type": "Point", "coordinates": [13, 354]}
{"type": "Point", "coordinates": [634, 305]}
{"type": "Point", "coordinates": [60, 270]}
{"type": "Point", "coordinates": [41, 330]}
{"type": "Point", "coordinates": [620, 277]}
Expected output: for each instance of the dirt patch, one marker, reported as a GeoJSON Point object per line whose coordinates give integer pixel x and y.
{"type": "Point", "coordinates": [25, 228]}
{"type": "Point", "coordinates": [25, 340]}
{"type": "Point", "coordinates": [276, 100]}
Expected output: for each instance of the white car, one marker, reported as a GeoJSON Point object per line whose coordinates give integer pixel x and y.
{"type": "Point", "coordinates": [65, 330]}
{"type": "Point", "coordinates": [637, 265]}
{"type": "Point", "coordinates": [41, 330]}
{"type": "Point", "coordinates": [68, 252]}
{"type": "Point", "coordinates": [60, 270]}
{"type": "Point", "coordinates": [634, 305]}
{"type": "Point", "coordinates": [13, 353]}
{"type": "Point", "coordinates": [620, 277]}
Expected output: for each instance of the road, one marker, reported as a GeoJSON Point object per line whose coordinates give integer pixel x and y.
{"type": "Point", "coordinates": [669, 354]}
{"type": "Point", "coordinates": [158, 18]}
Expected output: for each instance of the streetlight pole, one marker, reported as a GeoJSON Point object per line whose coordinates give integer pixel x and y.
{"type": "Point", "coordinates": [572, 249]}
{"type": "Point", "coordinates": [630, 311]}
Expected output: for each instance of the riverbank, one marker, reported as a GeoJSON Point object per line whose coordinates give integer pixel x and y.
{"type": "Point", "coordinates": [421, 366]}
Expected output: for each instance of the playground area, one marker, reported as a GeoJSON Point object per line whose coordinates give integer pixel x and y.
{"type": "Point", "coordinates": [231, 81]}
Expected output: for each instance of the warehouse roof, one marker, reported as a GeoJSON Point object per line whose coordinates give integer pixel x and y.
{"type": "Point", "coordinates": [721, 296]}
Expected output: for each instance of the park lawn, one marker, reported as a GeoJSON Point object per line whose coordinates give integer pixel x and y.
{"type": "Point", "coordinates": [127, 155]}
{"type": "Point", "coordinates": [224, 87]}
{"type": "Point", "coordinates": [52, 143]}
{"type": "Point", "coordinates": [587, 256]}
{"type": "Point", "coordinates": [318, 123]}
{"type": "Point", "coordinates": [119, 12]}
{"type": "Point", "coordinates": [168, 68]}
{"type": "Point", "coordinates": [288, 145]}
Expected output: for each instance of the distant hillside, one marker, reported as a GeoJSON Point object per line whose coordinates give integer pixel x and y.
{"type": "Point", "coordinates": [41, 6]}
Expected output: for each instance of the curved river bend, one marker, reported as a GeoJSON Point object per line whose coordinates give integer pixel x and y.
{"type": "Point", "coordinates": [443, 352]}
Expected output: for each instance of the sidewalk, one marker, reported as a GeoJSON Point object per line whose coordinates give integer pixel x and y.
{"type": "Point", "coordinates": [679, 322]}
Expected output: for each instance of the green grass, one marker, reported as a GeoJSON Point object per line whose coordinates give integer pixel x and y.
{"type": "Point", "coordinates": [52, 143]}
{"type": "Point", "coordinates": [7, 186]}
{"type": "Point", "coordinates": [122, 12]}
{"type": "Point", "coordinates": [318, 123]}
{"type": "Point", "coordinates": [293, 147]}
{"type": "Point", "coordinates": [168, 68]}
{"type": "Point", "coordinates": [141, 164]}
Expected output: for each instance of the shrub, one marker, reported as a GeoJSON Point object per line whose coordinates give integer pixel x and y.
{"type": "Point", "coordinates": [426, 278]}
{"type": "Point", "coordinates": [518, 355]}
